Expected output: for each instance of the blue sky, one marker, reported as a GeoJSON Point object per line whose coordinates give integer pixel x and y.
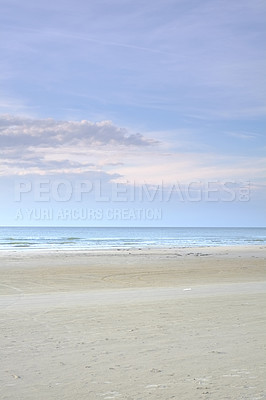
{"type": "Point", "coordinates": [136, 93]}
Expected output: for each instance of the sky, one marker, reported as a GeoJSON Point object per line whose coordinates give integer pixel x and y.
{"type": "Point", "coordinates": [132, 113]}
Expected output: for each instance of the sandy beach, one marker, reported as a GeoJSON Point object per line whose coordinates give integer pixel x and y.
{"type": "Point", "coordinates": [133, 324]}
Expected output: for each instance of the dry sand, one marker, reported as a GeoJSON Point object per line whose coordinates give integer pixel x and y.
{"type": "Point", "coordinates": [133, 324]}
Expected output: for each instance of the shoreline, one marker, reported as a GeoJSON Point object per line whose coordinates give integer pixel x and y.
{"type": "Point", "coordinates": [136, 250]}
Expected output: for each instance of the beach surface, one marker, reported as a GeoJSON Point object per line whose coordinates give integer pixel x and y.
{"type": "Point", "coordinates": [133, 324]}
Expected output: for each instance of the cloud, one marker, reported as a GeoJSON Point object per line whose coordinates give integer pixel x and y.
{"type": "Point", "coordinates": [190, 167]}
{"type": "Point", "coordinates": [103, 150]}
{"type": "Point", "coordinates": [24, 132]}
{"type": "Point", "coordinates": [244, 135]}
{"type": "Point", "coordinates": [49, 146]}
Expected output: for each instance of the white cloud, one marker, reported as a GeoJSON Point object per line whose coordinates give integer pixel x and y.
{"type": "Point", "coordinates": [49, 146]}
{"type": "Point", "coordinates": [105, 151]}
{"type": "Point", "coordinates": [244, 135]}
{"type": "Point", "coordinates": [188, 167]}
{"type": "Point", "coordinates": [25, 132]}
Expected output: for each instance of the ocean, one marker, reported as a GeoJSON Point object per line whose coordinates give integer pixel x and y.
{"type": "Point", "coordinates": [91, 238]}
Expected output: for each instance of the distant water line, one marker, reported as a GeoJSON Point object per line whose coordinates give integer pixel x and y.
{"type": "Point", "coordinates": [56, 238]}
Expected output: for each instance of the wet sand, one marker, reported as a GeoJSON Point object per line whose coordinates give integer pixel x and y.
{"type": "Point", "coordinates": [133, 324]}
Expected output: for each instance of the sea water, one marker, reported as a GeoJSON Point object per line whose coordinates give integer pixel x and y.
{"type": "Point", "coordinates": [90, 238]}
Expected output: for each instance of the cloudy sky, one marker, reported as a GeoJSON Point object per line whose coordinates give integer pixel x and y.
{"type": "Point", "coordinates": [155, 93]}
